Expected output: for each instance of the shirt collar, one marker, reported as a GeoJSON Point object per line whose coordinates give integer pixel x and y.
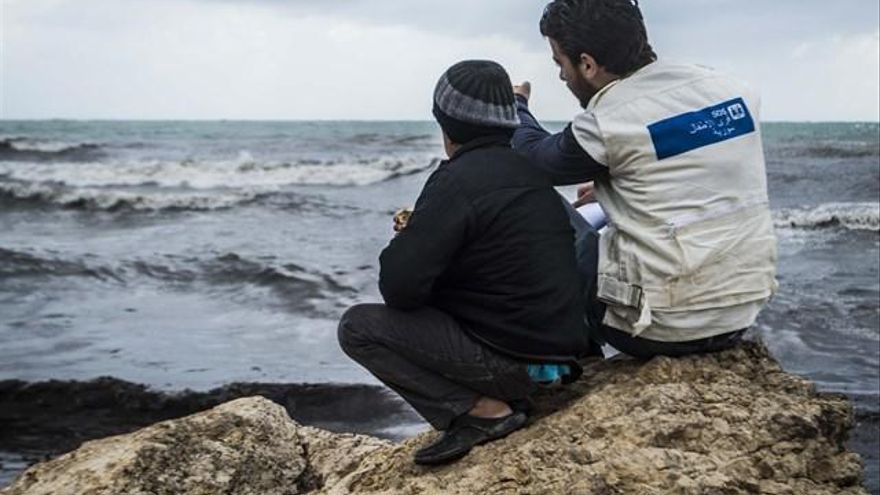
{"type": "Point", "coordinates": [482, 142]}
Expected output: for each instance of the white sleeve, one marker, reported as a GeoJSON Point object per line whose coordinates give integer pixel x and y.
{"type": "Point", "coordinates": [587, 133]}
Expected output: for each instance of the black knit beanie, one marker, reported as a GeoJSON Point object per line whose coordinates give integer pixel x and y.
{"type": "Point", "coordinates": [475, 99]}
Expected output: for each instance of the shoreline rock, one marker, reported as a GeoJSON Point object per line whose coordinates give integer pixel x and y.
{"type": "Point", "coordinates": [729, 423]}
{"type": "Point", "coordinates": [47, 419]}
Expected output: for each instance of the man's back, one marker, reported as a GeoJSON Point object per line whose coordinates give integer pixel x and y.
{"type": "Point", "coordinates": [507, 271]}
{"type": "Point", "coordinates": [480, 279]}
{"type": "Point", "coordinates": [686, 196]}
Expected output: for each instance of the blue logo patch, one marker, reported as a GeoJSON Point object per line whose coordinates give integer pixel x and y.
{"type": "Point", "coordinates": [692, 130]}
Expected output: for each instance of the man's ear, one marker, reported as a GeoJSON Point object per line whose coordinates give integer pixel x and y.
{"type": "Point", "coordinates": [587, 66]}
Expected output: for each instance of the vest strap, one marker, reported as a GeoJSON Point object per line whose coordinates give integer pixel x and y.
{"type": "Point", "coordinates": [618, 293]}
{"type": "Point", "coordinates": [613, 291]}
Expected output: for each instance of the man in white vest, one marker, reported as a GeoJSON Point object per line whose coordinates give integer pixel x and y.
{"type": "Point", "coordinates": [673, 155]}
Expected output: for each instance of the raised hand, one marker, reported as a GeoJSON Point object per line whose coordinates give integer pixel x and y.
{"type": "Point", "coordinates": [523, 89]}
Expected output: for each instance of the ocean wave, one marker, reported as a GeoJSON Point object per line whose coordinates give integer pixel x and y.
{"type": "Point", "coordinates": [95, 199]}
{"type": "Point", "coordinates": [210, 175]}
{"type": "Point", "coordinates": [854, 149]}
{"type": "Point", "coordinates": [853, 216]}
{"type": "Point", "coordinates": [27, 149]}
{"type": "Point", "coordinates": [420, 138]}
{"type": "Point", "coordinates": [24, 264]}
{"type": "Point", "coordinates": [298, 288]}
{"type": "Point", "coordinates": [385, 139]}
{"type": "Point", "coordinates": [231, 268]}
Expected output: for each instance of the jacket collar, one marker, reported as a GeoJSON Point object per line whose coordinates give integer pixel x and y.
{"type": "Point", "coordinates": [482, 142]}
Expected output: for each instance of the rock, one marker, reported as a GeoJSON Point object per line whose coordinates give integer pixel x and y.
{"type": "Point", "coordinates": [729, 423]}
{"type": "Point", "coordinates": [247, 446]}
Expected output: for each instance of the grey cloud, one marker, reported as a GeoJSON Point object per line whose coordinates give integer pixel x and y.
{"type": "Point", "coordinates": [761, 20]}
{"type": "Point", "coordinates": [98, 50]}
{"type": "Point", "coordinates": [515, 19]}
{"type": "Point", "coordinates": [681, 22]}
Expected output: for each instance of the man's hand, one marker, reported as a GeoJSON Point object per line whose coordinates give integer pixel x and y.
{"type": "Point", "coordinates": [586, 195]}
{"type": "Point", "coordinates": [523, 89]}
{"type": "Point", "coordinates": [401, 218]}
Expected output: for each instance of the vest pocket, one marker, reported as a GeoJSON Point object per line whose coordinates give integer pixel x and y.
{"type": "Point", "coordinates": [724, 262]}
{"type": "Point", "coordinates": [613, 291]}
{"type": "Point", "coordinates": [618, 293]}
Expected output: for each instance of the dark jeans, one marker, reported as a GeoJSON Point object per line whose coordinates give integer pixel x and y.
{"type": "Point", "coordinates": [427, 358]}
{"type": "Point", "coordinates": [587, 251]}
{"type": "Point", "coordinates": [638, 347]}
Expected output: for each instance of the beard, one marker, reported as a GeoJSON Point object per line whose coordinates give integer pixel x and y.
{"type": "Point", "coordinates": [583, 90]}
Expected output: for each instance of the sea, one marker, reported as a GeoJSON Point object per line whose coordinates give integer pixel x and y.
{"type": "Point", "coordinates": [192, 255]}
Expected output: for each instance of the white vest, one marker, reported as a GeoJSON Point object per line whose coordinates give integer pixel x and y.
{"type": "Point", "coordinates": [690, 235]}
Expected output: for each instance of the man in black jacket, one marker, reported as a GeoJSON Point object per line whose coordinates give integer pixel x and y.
{"type": "Point", "coordinates": [480, 283]}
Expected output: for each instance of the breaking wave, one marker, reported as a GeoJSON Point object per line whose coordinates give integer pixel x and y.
{"type": "Point", "coordinates": [95, 199]}
{"type": "Point", "coordinates": [852, 216]}
{"type": "Point", "coordinates": [241, 173]}
{"type": "Point", "coordinates": [186, 185]}
{"type": "Point", "coordinates": [26, 149]}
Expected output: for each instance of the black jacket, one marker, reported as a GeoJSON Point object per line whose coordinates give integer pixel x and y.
{"type": "Point", "coordinates": [489, 242]}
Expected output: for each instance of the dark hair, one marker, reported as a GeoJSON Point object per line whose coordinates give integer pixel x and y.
{"type": "Point", "coordinates": [611, 31]}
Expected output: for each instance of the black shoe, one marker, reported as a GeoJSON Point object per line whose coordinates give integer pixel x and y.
{"type": "Point", "coordinates": [465, 433]}
{"type": "Point", "coordinates": [526, 405]}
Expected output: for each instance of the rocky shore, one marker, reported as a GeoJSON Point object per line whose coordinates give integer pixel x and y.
{"type": "Point", "coordinates": [42, 420]}
{"type": "Point", "coordinates": [731, 423]}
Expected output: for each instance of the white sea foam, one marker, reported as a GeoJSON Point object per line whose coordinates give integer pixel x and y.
{"type": "Point", "coordinates": [243, 173]}
{"type": "Point", "coordinates": [853, 216]}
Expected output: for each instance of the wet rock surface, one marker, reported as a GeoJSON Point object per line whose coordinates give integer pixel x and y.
{"type": "Point", "coordinates": [731, 423]}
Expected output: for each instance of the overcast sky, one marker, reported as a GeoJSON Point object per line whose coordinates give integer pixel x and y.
{"type": "Point", "coordinates": [379, 59]}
